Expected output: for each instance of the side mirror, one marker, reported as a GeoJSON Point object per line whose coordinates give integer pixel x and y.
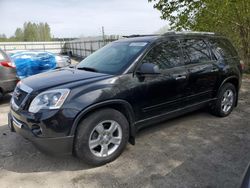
{"type": "Point", "coordinates": [148, 68]}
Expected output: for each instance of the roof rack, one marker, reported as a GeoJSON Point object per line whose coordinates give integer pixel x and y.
{"type": "Point", "coordinates": [131, 36]}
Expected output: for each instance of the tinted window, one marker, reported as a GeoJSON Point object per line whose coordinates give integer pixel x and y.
{"type": "Point", "coordinates": [165, 55]}
{"type": "Point", "coordinates": [222, 48]}
{"type": "Point", "coordinates": [195, 51]}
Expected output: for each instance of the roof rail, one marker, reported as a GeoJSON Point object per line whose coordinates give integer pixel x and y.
{"type": "Point", "coordinates": [131, 36]}
{"type": "Point", "coordinates": [188, 32]}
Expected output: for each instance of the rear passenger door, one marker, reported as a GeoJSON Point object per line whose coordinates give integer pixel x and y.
{"type": "Point", "coordinates": [202, 69]}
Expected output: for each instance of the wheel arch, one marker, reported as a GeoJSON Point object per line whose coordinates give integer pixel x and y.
{"type": "Point", "coordinates": [235, 81]}
{"type": "Point", "coordinates": [120, 105]}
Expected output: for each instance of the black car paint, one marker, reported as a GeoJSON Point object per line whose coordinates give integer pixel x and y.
{"type": "Point", "coordinates": [140, 97]}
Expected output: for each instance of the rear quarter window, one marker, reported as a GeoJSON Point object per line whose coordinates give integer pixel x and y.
{"type": "Point", "coordinates": [222, 48]}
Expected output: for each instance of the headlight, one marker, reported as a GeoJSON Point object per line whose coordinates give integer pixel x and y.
{"type": "Point", "coordinates": [52, 99]}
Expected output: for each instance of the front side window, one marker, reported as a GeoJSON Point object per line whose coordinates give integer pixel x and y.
{"type": "Point", "coordinates": [165, 55]}
{"type": "Point", "coordinates": [195, 51]}
{"type": "Point", "coordinates": [113, 58]}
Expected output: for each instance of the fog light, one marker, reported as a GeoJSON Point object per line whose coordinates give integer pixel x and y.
{"type": "Point", "coordinates": [36, 129]}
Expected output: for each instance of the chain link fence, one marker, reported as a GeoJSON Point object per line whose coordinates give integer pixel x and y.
{"type": "Point", "coordinates": [79, 48]}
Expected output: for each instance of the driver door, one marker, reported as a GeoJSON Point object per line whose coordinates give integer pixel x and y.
{"type": "Point", "coordinates": [163, 92]}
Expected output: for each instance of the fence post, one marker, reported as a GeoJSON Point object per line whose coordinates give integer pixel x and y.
{"type": "Point", "coordinates": [91, 47]}
{"type": "Point", "coordinates": [85, 51]}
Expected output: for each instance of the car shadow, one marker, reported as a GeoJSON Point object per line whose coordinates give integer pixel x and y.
{"type": "Point", "coordinates": [19, 155]}
{"type": "Point", "coordinates": [173, 121]}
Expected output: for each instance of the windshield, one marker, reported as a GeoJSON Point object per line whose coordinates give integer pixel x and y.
{"type": "Point", "coordinates": [112, 58]}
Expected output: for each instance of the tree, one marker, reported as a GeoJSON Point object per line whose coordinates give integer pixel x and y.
{"type": "Point", "coordinates": [36, 32]}
{"type": "Point", "coordinates": [228, 17]}
{"type": "Point", "coordinates": [47, 36]}
{"type": "Point", "coordinates": [30, 31]}
{"type": "Point", "coordinates": [3, 38]}
{"type": "Point", "coordinates": [19, 34]}
{"type": "Point", "coordinates": [43, 32]}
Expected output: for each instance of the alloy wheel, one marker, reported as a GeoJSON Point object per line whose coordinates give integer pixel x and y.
{"type": "Point", "coordinates": [105, 138]}
{"type": "Point", "coordinates": [227, 101]}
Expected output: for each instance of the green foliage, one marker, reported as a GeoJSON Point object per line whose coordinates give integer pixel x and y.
{"type": "Point", "coordinates": [228, 17]}
{"type": "Point", "coordinates": [36, 32]}
{"type": "Point", "coordinates": [30, 32]}
{"type": "Point", "coordinates": [3, 37]}
{"type": "Point", "coordinates": [19, 34]}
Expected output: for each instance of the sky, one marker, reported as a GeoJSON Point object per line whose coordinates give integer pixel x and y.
{"type": "Point", "coordinates": [75, 18]}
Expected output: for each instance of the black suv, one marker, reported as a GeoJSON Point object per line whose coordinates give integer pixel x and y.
{"type": "Point", "coordinates": [96, 107]}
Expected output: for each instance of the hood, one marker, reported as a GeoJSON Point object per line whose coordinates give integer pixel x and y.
{"type": "Point", "coordinates": [60, 77]}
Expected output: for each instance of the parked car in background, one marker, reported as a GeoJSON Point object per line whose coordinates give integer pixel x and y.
{"type": "Point", "coordinates": [62, 61]}
{"type": "Point", "coordinates": [8, 77]}
{"type": "Point", "coordinates": [29, 63]}
{"type": "Point", "coordinates": [96, 107]}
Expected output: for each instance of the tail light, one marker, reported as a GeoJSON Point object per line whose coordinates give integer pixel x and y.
{"type": "Point", "coordinates": [7, 64]}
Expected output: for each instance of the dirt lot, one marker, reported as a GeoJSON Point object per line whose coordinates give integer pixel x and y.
{"type": "Point", "coordinates": [195, 150]}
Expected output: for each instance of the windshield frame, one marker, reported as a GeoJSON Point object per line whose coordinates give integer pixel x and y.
{"type": "Point", "coordinates": [129, 63]}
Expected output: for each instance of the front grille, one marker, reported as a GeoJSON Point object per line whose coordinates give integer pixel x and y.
{"type": "Point", "coordinates": [19, 96]}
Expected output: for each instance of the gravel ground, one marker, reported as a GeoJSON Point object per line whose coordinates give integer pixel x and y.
{"type": "Point", "coordinates": [195, 150]}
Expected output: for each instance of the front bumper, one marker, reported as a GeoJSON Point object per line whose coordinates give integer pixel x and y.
{"type": "Point", "coordinates": [51, 145]}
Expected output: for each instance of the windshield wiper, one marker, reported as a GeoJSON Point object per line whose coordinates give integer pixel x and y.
{"type": "Point", "coordinates": [87, 69]}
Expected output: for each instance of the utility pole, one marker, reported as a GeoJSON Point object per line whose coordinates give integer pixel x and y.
{"type": "Point", "coordinates": [103, 35]}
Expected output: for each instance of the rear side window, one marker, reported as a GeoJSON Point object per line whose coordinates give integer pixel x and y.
{"type": "Point", "coordinates": [195, 51]}
{"type": "Point", "coordinates": [165, 55]}
{"type": "Point", "coordinates": [222, 48]}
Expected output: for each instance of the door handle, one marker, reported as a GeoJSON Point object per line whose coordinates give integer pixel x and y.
{"type": "Point", "coordinates": [180, 77]}
{"type": "Point", "coordinates": [214, 70]}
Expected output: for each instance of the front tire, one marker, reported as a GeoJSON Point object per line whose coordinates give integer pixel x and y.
{"type": "Point", "coordinates": [225, 103]}
{"type": "Point", "coordinates": [101, 137]}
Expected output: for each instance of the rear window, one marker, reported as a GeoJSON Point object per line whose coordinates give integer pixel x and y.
{"type": "Point", "coordinates": [222, 48]}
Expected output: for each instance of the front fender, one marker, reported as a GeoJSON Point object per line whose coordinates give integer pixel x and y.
{"type": "Point", "coordinates": [104, 104]}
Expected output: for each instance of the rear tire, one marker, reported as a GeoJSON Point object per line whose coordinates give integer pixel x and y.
{"type": "Point", "coordinates": [101, 137]}
{"type": "Point", "coordinates": [1, 94]}
{"type": "Point", "coordinates": [225, 102]}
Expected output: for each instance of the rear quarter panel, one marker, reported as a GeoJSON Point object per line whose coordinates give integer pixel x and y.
{"type": "Point", "coordinates": [8, 79]}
